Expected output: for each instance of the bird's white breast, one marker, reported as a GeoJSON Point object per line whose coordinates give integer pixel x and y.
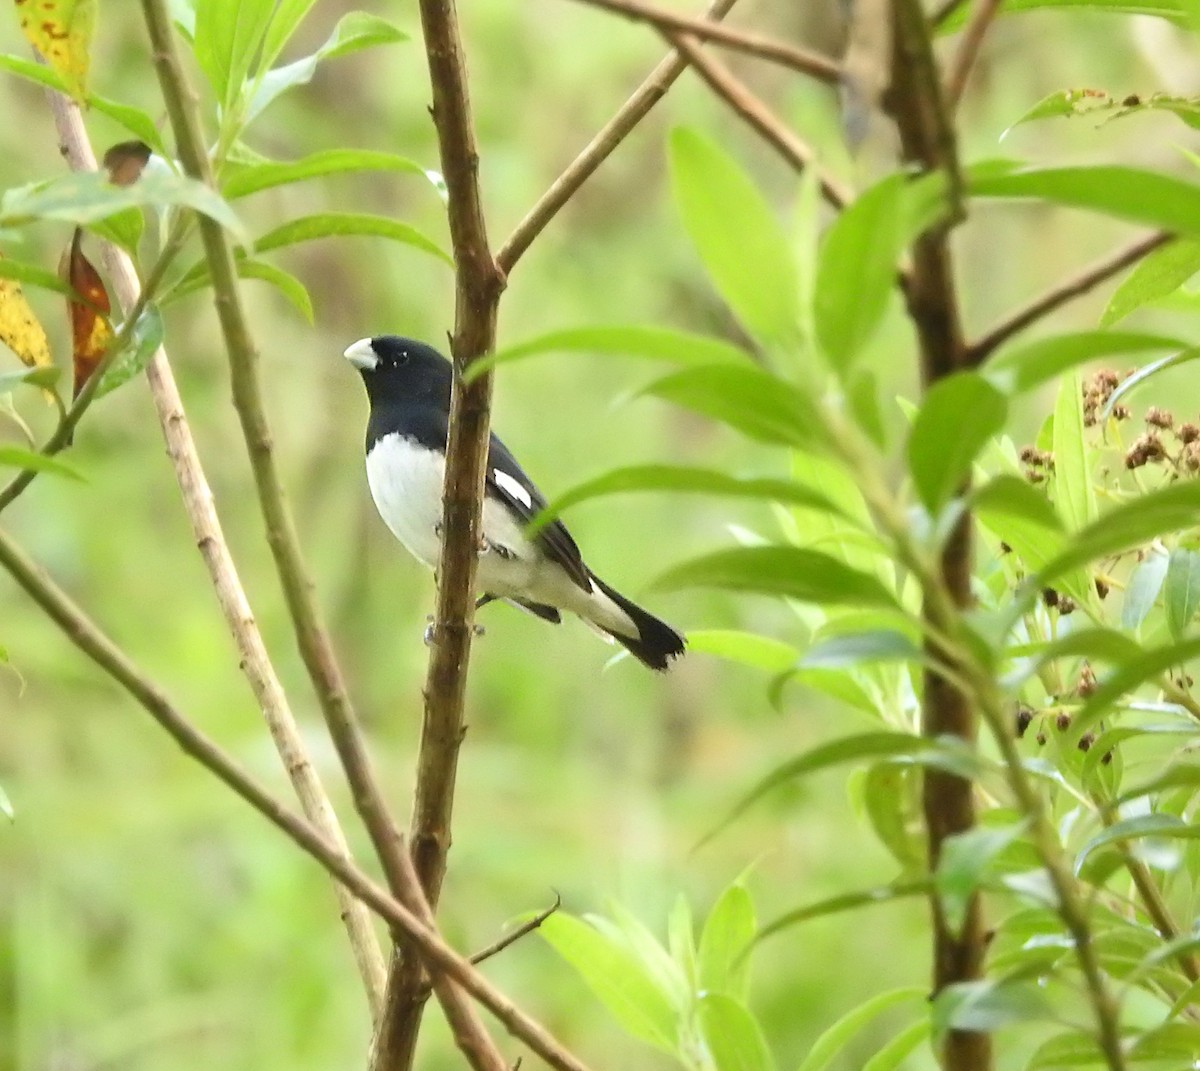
{"type": "Point", "coordinates": [406, 482]}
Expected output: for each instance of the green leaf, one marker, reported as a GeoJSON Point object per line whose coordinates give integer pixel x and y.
{"type": "Point", "coordinates": [1159, 273]}
{"type": "Point", "coordinates": [32, 275]}
{"type": "Point", "coordinates": [857, 648]}
{"type": "Point", "coordinates": [20, 458]}
{"type": "Point", "coordinates": [1147, 372]}
{"type": "Point", "coordinates": [1074, 494]}
{"type": "Point", "coordinates": [856, 273]}
{"type": "Point", "coordinates": [682, 942]}
{"type": "Point", "coordinates": [227, 36]}
{"type": "Point", "coordinates": [1141, 591]}
{"type": "Point", "coordinates": [894, 1053]}
{"type": "Point", "coordinates": [737, 236]}
{"type": "Point", "coordinates": [286, 20]}
{"type": "Point", "coordinates": [1164, 9]}
{"type": "Point", "coordinates": [146, 337]}
{"type": "Point", "coordinates": [1160, 826]}
{"type": "Point", "coordinates": [987, 1005]}
{"type": "Point", "coordinates": [681, 480]}
{"type": "Point", "coordinates": [1181, 593]}
{"type": "Point", "coordinates": [293, 290]}
{"type": "Point", "coordinates": [791, 572]}
{"type": "Point", "coordinates": [756, 403]}
{"type": "Point", "coordinates": [745, 648]}
{"type": "Point", "coordinates": [44, 376]}
{"type": "Point", "coordinates": [243, 181]}
{"type": "Point", "coordinates": [1096, 104]}
{"type": "Point", "coordinates": [881, 894]}
{"type": "Point", "coordinates": [87, 197]}
{"type": "Point", "coordinates": [617, 977]}
{"type": "Point", "coordinates": [1011, 496]}
{"type": "Point", "coordinates": [651, 343]}
{"type": "Point", "coordinates": [858, 748]}
{"type": "Point", "coordinates": [1132, 524]}
{"type": "Point", "coordinates": [356, 30]}
{"type": "Point", "coordinates": [136, 121]}
{"type": "Point", "coordinates": [1123, 192]}
{"type": "Point", "coordinates": [342, 224]}
{"type": "Point", "coordinates": [1181, 776]}
{"type": "Point", "coordinates": [728, 931]}
{"type": "Point", "coordinates": [1066, 1050]}
{"type": "Point", "coordinates": [6, 807]}
{"type": "Point", "coordinates": [834, 1039]}
{"type": "Point", "coordinates": [1018, 369]}
{"type": "Point", "coordinates": [958, 415]}
{"type": "Point", "coordinates": [732, 1035]}
{"type": "Point", "coordinates": [966, 860]}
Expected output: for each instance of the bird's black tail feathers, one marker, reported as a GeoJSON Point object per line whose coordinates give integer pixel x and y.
{"type": "Point", "coordinates": [657, 642]}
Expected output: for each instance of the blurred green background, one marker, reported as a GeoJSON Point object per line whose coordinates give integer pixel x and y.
{"type": "Point", "coordinates": [148, 919]}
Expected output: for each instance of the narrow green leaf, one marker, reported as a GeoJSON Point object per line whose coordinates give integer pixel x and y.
{"type": "Point", "coordinates": [1148, 372]}
{"type": "Point", "coordinates": [1066, 1050]}
{"type": "Point", "coordinates": [44, 376]}
{"type": "Point", "coordinates": [6, 807]}
{"type": "Point", "coordinates": [733, 1035]}
{"type": "Point", "coordinates": [32, 275]}
{"type": "Point", "coordinates": [958, 415]}
{"type": "Point", "coordinates": [251, 179]}
{"type": "Point", "coordinates": [987, 1005]}
{"type": "Point", "coordinates": [1141, 591]}
{"type": "Point", "coordinates": [728, 930]}
{"type": "Point", "coordinates": [965, 862]}
{"type": "Point", "coordinates": [617, 977]}
{"type": "Point", "coordinates": [1095, 644]}
{"type": "Point", "coordinates": [1159, 273]}
{"type": "Point", "coordinates": [1017, 369]}
{"type": "Point", "coordinates": [1009, 495]}
{"type": "Point", "coordinates": [293, 290]}
{"type": "Point", "coordinates": [343, 224]}
{"type": "Point", "coordinates": [146, 337]}
{"type": "Point", "coordinates": [285, 21]}
{"type": "Point", "coordinates": [1101, 106]}
{"type": "Point", "coordinates": [136, 121]}
{"type": "Point", "coordinates": [20, 458]}
{"type": "Point", "coordinates": [856, 273]}
{"type": "Point", "coordinates": [1181, 776]}
{"type": "Point", "coordinates": [746, 648]}
{"type": "Point", "coordinates": [1074, 494]}
{"type": "Point", "coordinates": [684, 481]}
{"type": "Point", "coordinates": [681, 940]}
{"type": "Point", "coordinates": [1181, 593]}
{"type": "Point", "coordinates": [896, 1051]}
{"type": "Point", "coordinates": [756, 403]}
{"type": "Point", "coordinates": [857, 648]}
{"type": "Point", "coordinates": [737, 236]}
{"type": "Point", "coordinates": [652, 343]}
{"type": "Point", "coordinates": [1160, 826]}
{"type": "Point", "coordinates": [791, 572]}
{"type": "Point", "coordinates": [228, 33]}
{"type": "Point", "coordinates": [833, 1040]}
{"type": "Point", "coordinates": [1123, 192]}
{"type": "Point", "coordinates": [881, 894]}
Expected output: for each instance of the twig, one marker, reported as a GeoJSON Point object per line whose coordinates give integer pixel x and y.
{"type": "Point", "coordinates": [312, 638]}
{"type": "Point", "coordinates": [927, 141]}
{"type": "Point", "coordinates": [1069, 289]}
{"type": "Point", "coordinates": [753, 44]}
{"type": "Point", "coordinates": [231, 595]}
{"type": "Point", "coordinates": [719, 79]}
{"type": "Point", "coordinates": [968, 49]}
{"type": "Point", "coordinates": [84, 633]}
{"type": "Point", "coordinates": [478, 285]}
{"type": "Point", "coordinates": [648, 94]}
{"type": "Point", "coordinates": [945, 11]}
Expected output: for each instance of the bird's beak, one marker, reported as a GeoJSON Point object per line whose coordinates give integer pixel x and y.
{"type": "Point", "coordinates": [362, 355]}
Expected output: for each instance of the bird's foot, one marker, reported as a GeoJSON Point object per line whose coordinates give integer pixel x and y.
{"type": "Point", "coordinates": [431, 630]}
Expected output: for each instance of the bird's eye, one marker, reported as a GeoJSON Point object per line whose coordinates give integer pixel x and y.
{"type": "Point", "coordinates": [402, 357]}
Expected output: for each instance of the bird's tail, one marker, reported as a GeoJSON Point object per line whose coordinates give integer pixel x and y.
{"type": "Point", "coordinates": [656, 642]}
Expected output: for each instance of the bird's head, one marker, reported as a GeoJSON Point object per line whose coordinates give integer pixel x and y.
{"type": "Point", "coordinates": [397, 369]}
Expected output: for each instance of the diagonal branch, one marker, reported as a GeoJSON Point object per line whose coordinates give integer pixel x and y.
{"type": "Point", "coordinates": [798, 59]}
{"type": "Point", "coordinates": [773, 130]}
{"type": "Point", "coordinates": [1068, 290]}
{"type": "Point", "coordinates": [632, 112]}
{"type": "Point", "coordinates": [311, 635]}
{"type": "Point", "coordinates": [443, 960]}
{"type": "Point", "coordinates": [968, 49]}
{"type": "Point", "coordinates": [210, 539]}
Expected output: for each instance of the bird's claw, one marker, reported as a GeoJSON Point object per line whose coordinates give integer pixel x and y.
{"type": "Point", "coordinates": [431, 630]}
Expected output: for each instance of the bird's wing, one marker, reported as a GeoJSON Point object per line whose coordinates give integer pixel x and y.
{"type": "Point", "coordinates": [508, 482]}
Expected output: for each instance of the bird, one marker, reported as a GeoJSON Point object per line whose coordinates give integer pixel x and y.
{"type": "Point", "coordinates": [408, 387]}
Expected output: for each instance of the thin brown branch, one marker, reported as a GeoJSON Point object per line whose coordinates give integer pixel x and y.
{"type": "Point", "coordinates": [311, 635]}
{"type": "Point", "coordinates": [85, 634]}
{"type": "Point", "coordinates": [478, 285]}
{"type": "Point", "coordinates": [648, 94]}
{"type": "Point", "coordinates": [231, 595]}
{"type": "Point", "coordinates": [968, 49]}
{"type": "Point", "coordinates": [798, 59]}
{"type": "Point", "coordinates": [771, 128]}
{"type": "Point", "coordinates": [1069, 289]}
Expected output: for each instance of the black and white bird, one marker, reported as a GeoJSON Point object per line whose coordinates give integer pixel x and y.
{"type": "Point", "coordinates": [408, 384]}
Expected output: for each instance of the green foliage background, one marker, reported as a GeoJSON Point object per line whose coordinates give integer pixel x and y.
{"type": "Point", "coordinates": [148, 918]}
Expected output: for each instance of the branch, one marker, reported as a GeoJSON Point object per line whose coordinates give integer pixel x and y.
{"type": "Point", "coordinates": [311, 636]}
{"type": "Point", "coordinates": [719, 79]}
{"type": "Point", "coordinates": [210, 539]}
{"type": "Point", "coordinates": [968, 49]}
{"type": "Point", "coordinates": [443, 960]}
{"type": "Point", "coordinates": [478, 285]}
{"type": "Point", "coordinates": [1076, 286]}
{"type": "Point", "coordinates": [648, 94]}
{"type": "Point", "coordinates": [798, 59]}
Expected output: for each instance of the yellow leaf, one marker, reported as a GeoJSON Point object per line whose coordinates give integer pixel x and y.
{"type": "Point", "coordinates": [20, 330]}
{"type": "Point", "coordinates": [61, 30]}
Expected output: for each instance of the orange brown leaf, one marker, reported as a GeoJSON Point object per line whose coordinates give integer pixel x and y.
{"type": "Point", "coordinates": [88, 309]}
{"type": "Point", "coordinates": [61, 30]}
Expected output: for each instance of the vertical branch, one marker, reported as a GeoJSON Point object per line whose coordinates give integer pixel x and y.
{"type": "Point", "coordinates": [927, 140]}
{"type": "Point", "coordinates": [478, 285]}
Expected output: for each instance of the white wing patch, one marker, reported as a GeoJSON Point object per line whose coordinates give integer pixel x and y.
{"type": "Point", "coordinates": [512, 487]}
